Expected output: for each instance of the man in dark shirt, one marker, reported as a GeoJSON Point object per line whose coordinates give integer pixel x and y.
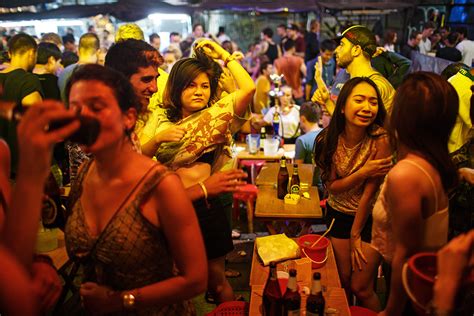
{"type": "Point", "coordinates": [450, 52]}
{"type": "Point", "coordinates": [47, 65]}
{"type": "Point", "coordinates": [411, 45]}
{"type": "Point", "coordinates": [19, 85]}
{"type": "Point", "coordinates": [293, 33]}
{"type": "Point", "coordinates": [312, 41]}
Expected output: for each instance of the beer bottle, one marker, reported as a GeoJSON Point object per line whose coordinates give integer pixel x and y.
{"type": "Point", "coordinates": [283, 178]}
{"type": "Point", "coordinates": [292, 299]}
{"type": "Point", "coordinates": [52, 211]}
{"type": "Point", "coordinates": [272, 300]}
{"type": "Point", "coordinates": [295, 181]}
{"type": "Point", "coordinates": [315, 302]}
{"type": "Point", "coordinates": [263, 136]}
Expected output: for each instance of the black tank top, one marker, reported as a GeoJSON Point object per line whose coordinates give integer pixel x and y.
{"type": "Point", "coordinates": [272, 52]}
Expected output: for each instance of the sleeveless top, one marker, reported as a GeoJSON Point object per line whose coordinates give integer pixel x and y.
{"type": "Point", "coordinates": [272, 52]}
{"type": "Point", "coordinates": [346, 161]}
{"type": "Point", "coordinates": [435, 227]}
{"type": "Point", "coordinates": [130, 252]}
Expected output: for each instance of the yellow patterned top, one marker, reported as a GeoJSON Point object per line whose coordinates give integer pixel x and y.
{"type": "Point", "coordinates": [346, 161]}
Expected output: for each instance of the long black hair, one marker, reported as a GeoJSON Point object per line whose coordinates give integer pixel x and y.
{"type": "Point", "coordinates": [326, 142]}
{"type": "Point", "coordinates": [182, 74]}
{"type": "Point", "coordinates": [424, 112]}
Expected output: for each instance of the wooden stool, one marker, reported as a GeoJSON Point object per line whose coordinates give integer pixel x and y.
{"type": "Point", "coordinates": [247, 194]}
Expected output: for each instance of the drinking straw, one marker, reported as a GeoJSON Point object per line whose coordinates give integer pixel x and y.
{"type": "Point", "coordinates": [325, 233]}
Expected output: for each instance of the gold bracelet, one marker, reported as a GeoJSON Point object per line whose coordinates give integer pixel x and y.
{"type": "Point", "coordinates": [204, 190]}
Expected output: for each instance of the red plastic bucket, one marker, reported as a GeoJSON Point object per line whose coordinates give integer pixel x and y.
{"type": "Point", "coordinates": [317, 254]}
{"type": "Point", "coordinates": [418, 276]}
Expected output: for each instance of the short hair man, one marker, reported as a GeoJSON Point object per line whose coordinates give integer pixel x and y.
{"type": "Point", "coordinates": [293, 33]}
{"type": "Point", "coordinates": [310, 114]}
{"type": "Point", "coordinates": [412, 44]}
{"type": "Point", "coordinates": [47, 65]}
{"type": "Point", "coordinates": [155, 41]}
{"type": "Point", "coordinates": [139, 62]}
{"type": "Point", "coordinates": [52, 38]}
{"type": "Point", "coordinates": [425, 43]}
{"type": "Point", "coordinates": [326, 52]}
{"type": "Point", "coordinates": [465, 46]}
{"type": "Point", "coordinates": [293, 69]}
{"type": "Point", "coordinates": [449, 51]}
{"type": "Point", "coordinates": [89, 45]}
{"type": "Point", "coordinates": [268, 47]}
{"type": "Point", "coordinates": [19, 85]}
{"type": "Point", "coordinates": [354, 53]}
{"type": "Point", "coordinates": [262, 87]}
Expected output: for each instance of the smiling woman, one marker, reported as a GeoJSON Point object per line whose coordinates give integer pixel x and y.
{"type": "Point", "coordinates": [354, 155]}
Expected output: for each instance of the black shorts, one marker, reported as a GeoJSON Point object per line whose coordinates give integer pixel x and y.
{"type": "Point", "coordinates": [215, 227]}
{"type": "Point", "coordinates": [343, 225]}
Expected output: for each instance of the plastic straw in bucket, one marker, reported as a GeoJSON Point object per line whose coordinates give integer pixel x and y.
{"type": "Point", "coordinates": [325, 233]}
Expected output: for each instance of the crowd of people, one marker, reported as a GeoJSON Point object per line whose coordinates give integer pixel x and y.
{"type": "Point", "coordinates": [148, 218]}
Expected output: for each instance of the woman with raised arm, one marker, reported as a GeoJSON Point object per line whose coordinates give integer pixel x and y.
{"type": "Point", "coordinates": [200, 155]}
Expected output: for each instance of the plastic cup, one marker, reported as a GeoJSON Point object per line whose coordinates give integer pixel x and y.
{"type": "Point", "coordinates": [253, 143]}
{"type": "Point", "coordinates": [271, 145]}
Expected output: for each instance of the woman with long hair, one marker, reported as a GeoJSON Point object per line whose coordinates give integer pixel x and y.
{"type": "Point", "coordinates": [192, 104]}
{"type": "Point", "coordinates": [353, 154]}
{"type": "Point", "coordinates": [411, 214]}
{"type": "Point", "coordinates": [140, 250]}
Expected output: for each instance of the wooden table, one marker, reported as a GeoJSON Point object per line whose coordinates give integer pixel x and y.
{"type": "Point", "coordinates": [332, 291]}
{"type": "Point", "coordinates": [287, 150]}
{"type": "Point", "coordinates": [269, 207]}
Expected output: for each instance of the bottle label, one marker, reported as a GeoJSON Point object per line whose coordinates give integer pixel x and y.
{"type": "Point", "coordinates": [295, 189]}
{"type": "Point", "coordinates": [295, 313]}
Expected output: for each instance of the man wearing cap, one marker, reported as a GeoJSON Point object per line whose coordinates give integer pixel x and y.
{"type": "Point", "coordinates": [293, 33]}
{"type": "Point", "coordinates": [354, 53]}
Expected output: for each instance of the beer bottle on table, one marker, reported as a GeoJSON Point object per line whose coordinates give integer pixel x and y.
{"type": "Point", "coordinates": [295, 181]}
{"type": "Point", "coordinates": [263, 136]}
{"type": "Point", "coordinates": [52, 212]}
{"type": "Point", "coordinates": [292, 299]}
{"type": "Point", "coordinates": [283, 179]}
{"type": "Point", "coordinates": [272, 300]}
{"type": "Point", "coordinates": [315, 302]}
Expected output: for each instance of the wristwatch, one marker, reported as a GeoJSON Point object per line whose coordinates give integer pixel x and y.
{"type": "Point", "coordinates": [128, 300]}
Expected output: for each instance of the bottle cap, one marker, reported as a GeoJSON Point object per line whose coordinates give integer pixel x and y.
{"type": "Point", "coordinates": [317, 276]}
{"type": "Point", "coordinates": [292, 272]}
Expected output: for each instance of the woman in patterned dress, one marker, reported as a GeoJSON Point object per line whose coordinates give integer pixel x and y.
{"type": "Point", "coordinates": [132, 225]}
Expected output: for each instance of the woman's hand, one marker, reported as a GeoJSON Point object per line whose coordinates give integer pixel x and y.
{"type": "Point", "coordinates": [376, 167]}
{"type": "Point", "coordinates": [356, 252]}
{"type": "Point", "coordinates": [36, 141]}
{"type": "Point", "coordinates": [212, 49]}
{"type": "Point", "coordinates": [225, 181]}
{"type": "Point", "coordinates": [100, 300]}
{"type": "Point", "coordinates": [172, 134]}
{"type": "Point", "coordinates": [226, 81]}
{"type": "Point", "coordinates": [466, 174]}
{"type": "Point", "coordinates": [46, 284]}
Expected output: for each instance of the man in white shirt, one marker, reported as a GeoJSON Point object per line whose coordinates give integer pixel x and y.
{"type": "Point", "coordinates": [425, 43]}
{"type": "Point", "coordinates": [466, 47]}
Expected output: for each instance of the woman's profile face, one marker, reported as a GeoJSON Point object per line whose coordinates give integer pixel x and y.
{"type": "Point", "coordinates": [195, 96]}
{"type": "Point", "coordinates": [95, 99]}
{"type": "Point", "coordinates": [361, 106]}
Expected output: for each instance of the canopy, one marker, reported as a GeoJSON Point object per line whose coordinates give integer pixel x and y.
{"type": "Point", "coordinates": [125, 10]}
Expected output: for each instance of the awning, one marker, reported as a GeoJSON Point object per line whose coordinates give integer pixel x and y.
{"type": "Point", "coordinates": [260, 5]}
{"type": "Point", "coordinates": [123, 10]}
